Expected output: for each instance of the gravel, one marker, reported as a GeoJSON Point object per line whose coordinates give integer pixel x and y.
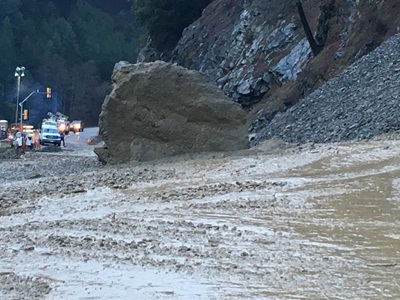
{"type": "Point", "coordinates": [358, 104]}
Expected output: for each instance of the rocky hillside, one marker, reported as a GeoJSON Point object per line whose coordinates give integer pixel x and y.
{"type": "Point", "coordinates": [360, 103]}
{"type": "Point", "coordinates": [257, 52]}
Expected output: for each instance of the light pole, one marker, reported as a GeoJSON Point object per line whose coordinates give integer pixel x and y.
{"type": "Point", "coordinates": [22, 107]}
{"type": "Point", "coordinates": [19, 72]}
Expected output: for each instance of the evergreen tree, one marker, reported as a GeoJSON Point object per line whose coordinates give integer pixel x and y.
{"type": "Point", "coordinates": [7, 46]}
{"type": "Point", "coordinates": [166, 19]}
{"type": "Point", "coordinates": [98, 40]}
{"type": "Point", "coordinates": [71, 46]}
{"type": "Point", "coordinates": [9, 8]}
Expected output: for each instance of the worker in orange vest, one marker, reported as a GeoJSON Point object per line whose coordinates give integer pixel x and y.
{"type": "Point", "coordinates": [37, 140]}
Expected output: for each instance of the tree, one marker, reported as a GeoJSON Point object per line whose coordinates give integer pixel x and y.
{"type": "Point", "coordinates": [166, 19]}
{"type": "Point", "coordinates": [7, 47]}
{"type": "Point", "coordinates": [315, 48]}
{"type": "Point", "coordinates": [9, 8]}
{"type": "Point", "coordinates": [55, 40]}
{"type": "Point", "coordinates": [98, 40]}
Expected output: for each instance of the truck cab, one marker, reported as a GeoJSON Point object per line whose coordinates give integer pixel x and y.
{"type": "Point", "coordinates": [49, 133]}
{"type": "Point", "coordinates": [76, 126]}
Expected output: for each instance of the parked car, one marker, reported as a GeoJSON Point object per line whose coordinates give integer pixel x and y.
{"type": "Point", "coordinates": [76, 126]}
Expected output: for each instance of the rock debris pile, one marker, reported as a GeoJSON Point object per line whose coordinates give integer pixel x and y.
{"type": "Point", "coordinates": [360, 103]}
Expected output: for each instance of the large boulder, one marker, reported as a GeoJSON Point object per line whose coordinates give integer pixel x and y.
{"type": "Point", "coordinates": [158, 109]}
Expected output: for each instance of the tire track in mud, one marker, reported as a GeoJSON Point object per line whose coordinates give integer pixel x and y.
{"type": "Point", "coordinates": [245, 227]}
{"type": "Point", "coordinates": [211, 230]}
{"type": "Point", "coordinates": [26, 287]}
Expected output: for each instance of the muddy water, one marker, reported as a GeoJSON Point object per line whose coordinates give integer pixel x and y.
{"type": "Point", "coordinates": [356, 209]}
{"type": "Point", "coordinates": [315, 223]}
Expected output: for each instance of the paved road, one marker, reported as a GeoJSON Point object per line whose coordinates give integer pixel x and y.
{"type": "Point", "coordinates": [80, 139]}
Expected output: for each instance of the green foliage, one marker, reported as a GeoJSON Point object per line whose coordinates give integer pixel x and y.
{"type": "Point", "coordinates": [7, 46]}
{"type": "Point", "coordinates": [166, 19]}
{"type": "Point", "coordinates": [97, 37]}
{"type": "Point", "coordinates": [71, 46]}
{"type": "Point", "coordinates": [9, 8]}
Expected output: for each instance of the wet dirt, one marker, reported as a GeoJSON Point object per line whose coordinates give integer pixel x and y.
{"type": "Point", "coordinates": [309, 222]}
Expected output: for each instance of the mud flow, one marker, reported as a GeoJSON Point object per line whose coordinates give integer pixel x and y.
{"type": "Point", "coordinates": [322, 222]}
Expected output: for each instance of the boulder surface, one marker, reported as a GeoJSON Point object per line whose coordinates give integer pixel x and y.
{"type": "Point", "coordinates": [158, 109]}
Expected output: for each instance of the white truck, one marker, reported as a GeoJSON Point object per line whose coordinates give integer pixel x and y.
{"type": "Point", "coordinates": [63, 123]}
{"type": "Point", "coordinates": [49, 133]}
{"type": "Point", "coordinates": [61, 120]}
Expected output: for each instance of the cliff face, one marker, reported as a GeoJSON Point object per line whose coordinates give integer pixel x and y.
{"type": "Point", "coordinates": [238, 43]}
{"type": "Point", "coordinates": [257, 53]}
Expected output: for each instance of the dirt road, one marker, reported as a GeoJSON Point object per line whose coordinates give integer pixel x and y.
{"type": "Point", "coordinates": [311, 222]}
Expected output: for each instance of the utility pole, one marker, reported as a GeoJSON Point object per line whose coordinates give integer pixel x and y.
{"type": "Point", "coordinates": [19, 72]}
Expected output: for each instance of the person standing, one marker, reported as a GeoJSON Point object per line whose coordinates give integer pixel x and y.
{"type": "Point", "coordinates": [29, 142]}
{"type": "Point", "coordinates": [19, 140]}
{"type": "Point", "coordinates": [62, 135]}
{"type": "Point", "coordinates": [37, 140]}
